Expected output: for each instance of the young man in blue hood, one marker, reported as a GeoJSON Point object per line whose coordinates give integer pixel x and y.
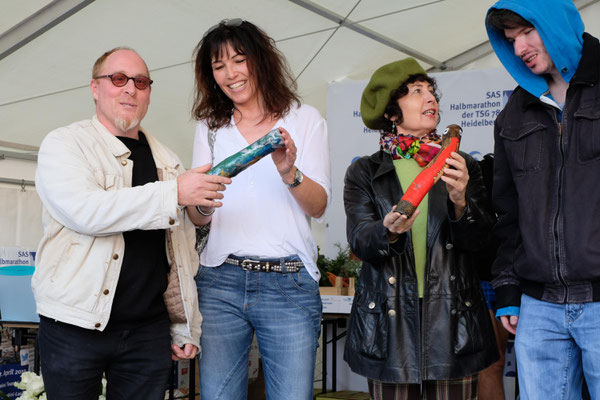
{"type": "Point", "coordinates": [547, 163]}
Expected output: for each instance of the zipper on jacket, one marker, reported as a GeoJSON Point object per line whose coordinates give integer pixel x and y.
{"type": "Point", "coordinates": [557, 237]}
{"type": "Point", "coordinates": [421, 309]}
{"type": "Point", "coordinates": [421, 313]}
{"type": "Point", "coordinates": [421, 352]}
{"type": "Point", "coordinates": [419, 317]}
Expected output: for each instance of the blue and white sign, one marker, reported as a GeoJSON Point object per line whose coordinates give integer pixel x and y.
{"type": "Point", "coordinates": [17, 266]}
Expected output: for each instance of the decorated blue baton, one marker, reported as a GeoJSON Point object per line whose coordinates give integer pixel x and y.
{"type": "Point", "coordinates": [236, 163]}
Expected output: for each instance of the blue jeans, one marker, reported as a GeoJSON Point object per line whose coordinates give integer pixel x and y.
{"type": "Point", "coordinates": [285, 312]}
{"type": "Point", "coordinates": [137, 362]}
{"type": "Point", "coordinates": [555, 344]}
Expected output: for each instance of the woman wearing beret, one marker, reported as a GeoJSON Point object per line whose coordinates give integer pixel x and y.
{"type": "Point", "coordinates": [419, 326]}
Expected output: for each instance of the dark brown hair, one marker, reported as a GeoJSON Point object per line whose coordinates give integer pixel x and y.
{"type": "Point", "coordinates": [501, 19]}
{"type": "Point", "coordinates": [266, 64]}
{"type": "Point", "coordinates": [392, 109]}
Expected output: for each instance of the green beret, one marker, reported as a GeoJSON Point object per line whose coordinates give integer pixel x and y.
{"type": "Point", "coordinates": [385, 80]}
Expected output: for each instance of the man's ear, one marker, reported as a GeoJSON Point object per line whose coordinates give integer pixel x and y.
{"type": "Point", "coordinates": [94, 89]}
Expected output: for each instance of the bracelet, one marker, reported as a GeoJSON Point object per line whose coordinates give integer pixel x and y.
{"type": "Point", "coordinates": [206, 214]}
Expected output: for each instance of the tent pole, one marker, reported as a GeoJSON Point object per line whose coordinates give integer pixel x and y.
{"type": "Point", "coordinates": [356, 27]}
{"type": "Point", "coordinates": [38, 23]}
{"type": "Point", "coordinates": [17, 156]}
{"type": "Point", "coordinates": [20, 182]}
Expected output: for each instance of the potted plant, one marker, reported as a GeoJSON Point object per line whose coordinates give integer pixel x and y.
{"type": "Point", "coordinates": [338, 274]}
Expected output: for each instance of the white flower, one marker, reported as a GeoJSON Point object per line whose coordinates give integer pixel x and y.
{"type": "Point", "coordinates": [27, 395]}
{"type": "Point", "coordinates": [32, 384]}
{"type": "Point", "coordinates": [33, 387]}
{"type": "Point", "coordinates": [104, 382]}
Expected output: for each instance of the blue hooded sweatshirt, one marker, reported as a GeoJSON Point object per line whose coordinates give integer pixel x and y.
{"type": "Point", "coordinates": [560, 27]}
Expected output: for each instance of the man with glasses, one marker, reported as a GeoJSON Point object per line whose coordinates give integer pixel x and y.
{"type": "Point", "coordinates": [114, 276]}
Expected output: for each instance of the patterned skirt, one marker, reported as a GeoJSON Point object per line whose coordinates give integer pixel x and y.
{"type": "Point", "coordinates": [456, 389]}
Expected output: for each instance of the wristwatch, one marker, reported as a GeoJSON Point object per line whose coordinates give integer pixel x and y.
{"type": "Point", "coordinates": [297, 179]}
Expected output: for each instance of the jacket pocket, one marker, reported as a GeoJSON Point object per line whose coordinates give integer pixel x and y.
{"type": "Point", "coordinates": [107, 180]}
{"type": "Point", "coordinates": [75, 280]}
{"type": "Point", "coordinates": [524, 147]}
{"type": "Point", "coordinates": [168, 173]}
{"type": "Point", "coordinates": [66, 265]}
{"type": "Point", "coordinates": [587, 131]}
{"type": "Point", "coordinates": [469, 333]}
{"type": "Point", "coordinates": [368, 333]}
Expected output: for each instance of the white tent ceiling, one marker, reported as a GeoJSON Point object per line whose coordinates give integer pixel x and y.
{"type": "Point", "coordinates": [47, 49]}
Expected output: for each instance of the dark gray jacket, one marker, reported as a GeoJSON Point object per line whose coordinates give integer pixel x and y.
{"type": "Point", "coordinates": [547, 192]}
{"type": "Point", "coordinates": [385, 340]}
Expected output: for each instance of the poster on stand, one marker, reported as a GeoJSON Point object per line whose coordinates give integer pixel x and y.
{"type": "Point", "coordinates": [17, 265]}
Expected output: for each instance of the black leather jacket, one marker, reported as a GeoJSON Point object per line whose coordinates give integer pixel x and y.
{"type": "Point", "coordinates": [547, 194]}
{"type": "Point", "coordinates": [385, 341]}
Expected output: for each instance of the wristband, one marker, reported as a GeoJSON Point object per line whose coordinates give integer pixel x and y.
{"type": "Point", "coordinates": [206, 214]}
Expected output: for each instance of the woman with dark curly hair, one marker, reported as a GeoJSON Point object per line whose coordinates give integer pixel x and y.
{"type": "Point", "coordinates": [258, 270]}
{"type": "Point", "coordinates": [419, 326]}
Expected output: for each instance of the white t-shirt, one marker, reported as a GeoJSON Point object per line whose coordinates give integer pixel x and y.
{"type": "Point", "coordinates": [259, 216]}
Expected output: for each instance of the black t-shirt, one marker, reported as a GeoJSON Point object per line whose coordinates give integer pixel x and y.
{"type": "Point", "coordinates": [143, 279]}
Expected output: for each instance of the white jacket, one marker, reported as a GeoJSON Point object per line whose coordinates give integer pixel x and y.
{"type": "Point", "coordinates": [84, 181]}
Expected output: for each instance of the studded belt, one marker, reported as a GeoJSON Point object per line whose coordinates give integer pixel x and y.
{"type": "Point", "coordinates": [248, 264]}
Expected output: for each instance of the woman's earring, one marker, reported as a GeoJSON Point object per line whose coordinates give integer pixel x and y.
{"type": "Point", "coordinates": [393, 128]}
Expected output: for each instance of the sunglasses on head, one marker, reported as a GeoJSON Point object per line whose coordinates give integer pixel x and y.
{"type": "Point", "coordinates": [119, 80]}
{"type": "Point", "coordinates": [224, 22]}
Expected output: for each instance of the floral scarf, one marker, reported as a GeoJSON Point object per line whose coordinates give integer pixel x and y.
{"type": "Point", "coordinates": [406, 146]}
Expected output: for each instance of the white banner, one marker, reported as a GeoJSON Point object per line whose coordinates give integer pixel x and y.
{"type": "Point", "coordinates": [20, 216]}
{"type": "Point", "coordinates": [471, 99]}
